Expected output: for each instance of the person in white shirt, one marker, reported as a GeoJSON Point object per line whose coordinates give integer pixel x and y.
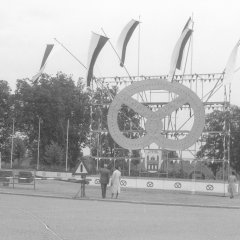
{"type": "Point", "coordinates": [115, 182]}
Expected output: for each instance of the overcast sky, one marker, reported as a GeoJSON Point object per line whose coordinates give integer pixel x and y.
{"type": "Point", "coordinates": [26, 26]}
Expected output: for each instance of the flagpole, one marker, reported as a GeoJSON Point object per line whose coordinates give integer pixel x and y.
{"type": "Point", "coordinates": [70, 53]}
{"type": "Point", "coordinates": [187, 57]}
{"type": "Point", "coordinates": [119, 58]}
{"type": "Point", "coordinates": [192, 45]}
{"type": "Point", "coordinates": [67, 145]}
{"type": "Point", "coordinates": [39, 130]}
{"type": "Point", "coordinates": [138, 67]}
{"type": "Point", "coordinates": [138, 48]}
{"type": "Point", "coordinates": [11, 163]}
{"type": "Point", "coordinates": [117, 55]}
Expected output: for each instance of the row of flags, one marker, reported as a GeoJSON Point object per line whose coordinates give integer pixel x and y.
{"type": "Point", "coordinates": [97, 42]}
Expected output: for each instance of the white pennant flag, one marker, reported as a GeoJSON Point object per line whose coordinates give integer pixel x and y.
{"type": "Point", "coordinates": [177, 55]}
{"type": "Point", "coordinates": [231, 64]}
{"type": "Point", "coordinates": [48, 50]}
{"type": "Point", "coordinates": [124, 39]}
{"type": "Point", "coordinates": [96, 44]}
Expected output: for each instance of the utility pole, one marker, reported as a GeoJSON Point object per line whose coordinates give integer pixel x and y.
{"type": "Point", "coordinates": [11, 163]}
{"type": "Point", "coordinates": [39, 131]}
{"type": "Point", "coordinates": [67, 145]}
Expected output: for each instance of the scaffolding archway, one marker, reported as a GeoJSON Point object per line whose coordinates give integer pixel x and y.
{"type": "Point", "coordinates": [208, 87]}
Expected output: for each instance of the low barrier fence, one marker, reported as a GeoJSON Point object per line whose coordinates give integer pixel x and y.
{"type": "Point", "coordinates": [11, 177]}
{"type": "Point", "coordinates": [30, 178]}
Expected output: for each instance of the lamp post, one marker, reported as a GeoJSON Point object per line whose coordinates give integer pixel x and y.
{"type": "Point", "coordinates": [39, 131]}
{"type": "Point", "coordinates": [67, 144]}
{"type": "Point", "coordinates": [11, 163]}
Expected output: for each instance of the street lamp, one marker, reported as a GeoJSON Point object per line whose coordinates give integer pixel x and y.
{"type": "Point", "coordinates": [67, 144]}
{"type": "Point", "coordinates": [39, 131]}
{"type": "Point", "coordinates": [11, 163]}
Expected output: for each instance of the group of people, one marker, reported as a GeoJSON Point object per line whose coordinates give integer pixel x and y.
{"type": "Point", "coordinates": [115, 180]}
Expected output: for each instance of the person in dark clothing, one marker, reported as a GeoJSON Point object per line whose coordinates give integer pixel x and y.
{"type": "Point", "coordinates": [104, 179]}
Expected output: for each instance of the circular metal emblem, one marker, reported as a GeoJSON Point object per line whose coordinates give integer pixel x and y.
{"type": "Point", "coordinates": [123, 183]}
{"type": "Point", "coordinates": [97, 181]}
{"type": "Point", "coordinates": [149, 184]}
{"type": "Point", "coordinates": [154, 125]}
{"type": "Point", "coordinates": [210, 187]}
{"type": "Point", "coordinates": [177, 185]}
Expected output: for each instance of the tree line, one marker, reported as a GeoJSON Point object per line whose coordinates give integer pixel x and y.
{"type": "Point", "coordinates": [41, 110]}
{"type": "Point", "coordinates": [53, 101]}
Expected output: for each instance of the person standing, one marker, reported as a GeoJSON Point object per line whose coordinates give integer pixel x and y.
{"type": "Point", "coordinates": [115, 182]}
{"type": "Point", "coordinates": [104, 179]}
{"type": "Point", "coordinates": [232, 180]}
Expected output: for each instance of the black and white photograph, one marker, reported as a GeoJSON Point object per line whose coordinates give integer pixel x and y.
{"type": "Point", "coordinates": [119, 120]}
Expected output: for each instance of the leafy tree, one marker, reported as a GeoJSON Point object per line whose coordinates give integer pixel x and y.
{"type": "Point", "coordinates": [227, 122]}
{"type": "Point", "coordinates": [53, 101]}
{"type": "Point", "coordinates": [19, 150]}
{"type": "Point", "coordinates": [54, 154]}
{"type": "Point", "coordinates": [5, 118]}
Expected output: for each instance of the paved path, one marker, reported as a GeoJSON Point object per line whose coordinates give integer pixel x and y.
{"type": "Point", "coordinates": [68, 190]}
{"type": "Point", "coordinates": [47, 218]}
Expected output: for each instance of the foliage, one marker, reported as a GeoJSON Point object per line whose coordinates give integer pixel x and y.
{"type": "Point", "coordinates": [227, 122]}
{"type": "Point", "coordinates": [5, 118]}
{"type": "Point", "coordinates": [52, 102]}
{"type": "Point", "coordinates": [41, 110]}
{"type": "Point", "coordinates": [54, 154]}
{"type": "Point", "coordinates": [19, 150]}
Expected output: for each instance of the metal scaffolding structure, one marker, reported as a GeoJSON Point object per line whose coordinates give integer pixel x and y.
{"type": "Point", "coordinates": [208, 87]}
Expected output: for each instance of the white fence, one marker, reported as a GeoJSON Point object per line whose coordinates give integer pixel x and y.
{"type": "Point", "coordinates": [168, 184]}
{"type": "Point", "coordinates": [205, 186]}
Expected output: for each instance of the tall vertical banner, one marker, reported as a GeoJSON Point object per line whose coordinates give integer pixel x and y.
{"type": "Point", "coordinates": [231, 65]}
{"type": "Point", "coordinates": [177, 55]}
{"type": "Point", "coordinates": [124, 39]}
{"type": "Point", "coordinates": [96, 44]}
{"type": "Point", "coordinates": [48, 50]}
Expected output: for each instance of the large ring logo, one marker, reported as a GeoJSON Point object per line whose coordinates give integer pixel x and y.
{"type": "Point", "coordinates": [149, 184]}
{"type": "Point", "coordinates": [123, 183]}
{"type": "Point", "coordinates": [210, 187]}
{"type": "Point", "coordinates": [97, 181]}
{"type": "Point", "coordinates": [177, 185]}
{"type": "Point", "coordinates": [154, 123]}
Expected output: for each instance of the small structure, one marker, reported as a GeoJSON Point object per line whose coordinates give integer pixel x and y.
{"type": "Point", "coordinates": [152, 158]}
{"type": "Point", "coordinates": [82, 170]}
